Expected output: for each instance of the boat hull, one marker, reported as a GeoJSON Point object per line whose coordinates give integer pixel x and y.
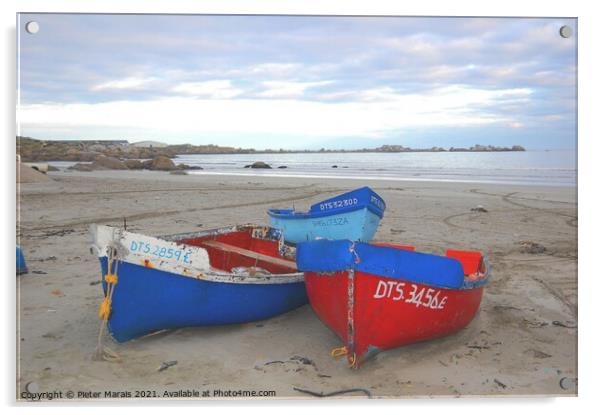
{"type": "Point", "coordinates": [380, 311]}
{"type": "Point", "coordinates": [147, 300]}
{"type": "Point", "coordinates": [380, 296]}
{"type": "Point", "coordinates": [222, 276]}
{"type": "Point", "coordinates": [359, 225]}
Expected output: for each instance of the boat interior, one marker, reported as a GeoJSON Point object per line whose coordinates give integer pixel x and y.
{"type": "Point", "coordinates": [240, 249]}
{"type": "Point", "coordinates": [472, 261]}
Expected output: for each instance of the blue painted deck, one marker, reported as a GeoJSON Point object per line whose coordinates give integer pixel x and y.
{"type": "Point", "coordinates": [147, 300]}
{"type": "Point", "coordinates": [353, 215]}
{"type": "Point", "coordinates": [434, 270]}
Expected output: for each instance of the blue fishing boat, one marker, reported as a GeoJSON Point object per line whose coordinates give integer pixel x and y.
{"type": "Point", "coordinates": [353, 215]}
{"type": "Point", "coordinates": [224, 276]}
{"type": "Point", "coordinates": [21, 266]}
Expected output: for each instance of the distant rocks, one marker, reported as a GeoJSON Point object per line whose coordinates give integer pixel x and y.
{"type": "Point", "coordinates": [159, 163]}
{"type": "Point", "coordinates": [32, 150]}
{"type": "Point", "coordinates": [82, 167]}
{"type": "Point", "coordinates": [481, 148]}
{"type": "Point", "coordinates": [134, 164]}
{"type": "Point", "coordinates": [108, 163]}
{"type": "Point", "coordinates": [101, 163]}
{"type": "Point", "coordinates": [283, 167]}
{"type": "Point", "coordinates": [335, 166]}
{"type": "Point", "coordinates": [183, 166]}
{"type": "Point", "coordinates": [27, 174]}
{"type": "Point", "coordinates": [258, 165]}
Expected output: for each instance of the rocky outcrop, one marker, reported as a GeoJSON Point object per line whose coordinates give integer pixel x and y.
{"type": "Point", "coordinates": [160, 163]}
{"type": "Point", "coordinates": [259, 165]}
{"type": "Point", "coordinates": [82, 167]}
{"type": "Point", "coordinates": [26, 174]}
{"type": "Point", "coordinates": [108, 163]}
{"type": "Point", "coordinates": [183, 166]}
{"type": "Point", "coordinates": [134, 164]}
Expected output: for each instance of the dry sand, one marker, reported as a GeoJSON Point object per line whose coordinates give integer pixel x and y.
{"type": "Point", "coordinates": [523, 341]}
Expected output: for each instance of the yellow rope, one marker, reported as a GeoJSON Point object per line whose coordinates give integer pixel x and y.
{"type": "Point", "coordinates": [104, 311]}
{"type": "Point", "coordinates": [111, 279]}
{"type": "Point", "coordinates": [339, 351]}
{"type": "Point", "coordinates": [343, 351]}
{"type": "Point", "coordinates": [352, 360]}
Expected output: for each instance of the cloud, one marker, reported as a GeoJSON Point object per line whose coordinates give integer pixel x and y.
{"type": "Point", "coordinates": [219, 89]}
{"type": "Point", "coordinates": [351, 76]}
{"type": "Point", "coordinates": [374, 117]}
{"type": "Point", "coordinates": [288, 89]}
{"type": "Point", "coordinates": [127, 83]}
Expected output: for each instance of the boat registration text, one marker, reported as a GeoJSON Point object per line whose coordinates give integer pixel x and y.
{"type": "Point", "coordinates": [159, 251]}
{"type": "Point", "coordinates": [400, 291]}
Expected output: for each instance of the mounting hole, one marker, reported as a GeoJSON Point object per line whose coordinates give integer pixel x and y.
{"type": "Point", "coordinates": [32, 387]}
{"type": "Point", "coordinates": [32, 27]}
{"type": "Point", "coordinates": [566, 31]}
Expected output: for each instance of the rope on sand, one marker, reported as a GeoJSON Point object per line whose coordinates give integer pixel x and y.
{"type": "Point", "coordinates": [340, 392]}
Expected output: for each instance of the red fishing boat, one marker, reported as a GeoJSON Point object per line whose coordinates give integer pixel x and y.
{"type": "Point", "coordinates": [382, 296]}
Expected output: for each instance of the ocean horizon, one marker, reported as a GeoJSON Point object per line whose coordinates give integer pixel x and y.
{"type": "Point", "coordinates": [534, 167]}
{"type": "Point", "coordinates": [531, 167]}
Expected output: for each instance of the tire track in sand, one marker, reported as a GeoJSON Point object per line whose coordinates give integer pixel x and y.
{"type": "Point", "coordinates": [153, 214]}
{"type": "Point", "coordinates": [572, 221]}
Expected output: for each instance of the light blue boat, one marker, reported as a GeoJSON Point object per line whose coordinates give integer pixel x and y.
{"type": "Point", "coordinates": [353, 215]}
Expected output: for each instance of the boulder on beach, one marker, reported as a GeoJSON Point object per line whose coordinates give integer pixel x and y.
{"type": "Point", "coordinates": [108, 163]}
{"type": "Point", "coordinates": [82, 167]}
{"type": "Point", "coordinates": [283, 167]}
{"type": "Point", "coordinates": [183, 166]}
{"type": "Point", "coordinates": [26, 174]}
{"type": "Point", "coordinates": [160, 163]}
{"type": "Point", "coordinates": [260, 165]}
{"type": "Point", "coordinates": [133, 164]}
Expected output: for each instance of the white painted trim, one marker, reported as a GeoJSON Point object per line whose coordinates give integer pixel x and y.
{"type": "Point", "coordinates": [191, 262]}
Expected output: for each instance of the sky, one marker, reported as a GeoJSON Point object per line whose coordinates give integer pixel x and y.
{"type": "Point", "coordinates": [298, 82]}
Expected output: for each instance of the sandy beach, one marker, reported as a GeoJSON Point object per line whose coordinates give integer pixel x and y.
{"type": "Point", "coordinates": [523, 341]}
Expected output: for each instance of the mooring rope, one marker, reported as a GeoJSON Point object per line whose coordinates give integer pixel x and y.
{"type": "Point", "coordinates": [104, 311]}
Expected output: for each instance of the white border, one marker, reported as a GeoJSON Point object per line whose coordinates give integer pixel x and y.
{"type": "Point", "coordinates": [589, 68]}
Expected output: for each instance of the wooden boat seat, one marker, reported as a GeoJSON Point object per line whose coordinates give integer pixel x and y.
{"type": "Point", "coordinates": [251, 254]}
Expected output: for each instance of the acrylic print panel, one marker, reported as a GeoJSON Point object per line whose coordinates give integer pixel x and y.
{"type": "Point", "coordinates": [131, 127]}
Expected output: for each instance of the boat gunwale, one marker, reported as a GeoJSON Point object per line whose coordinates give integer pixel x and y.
{"type": "Point", "coordinates": [194, 272]}
{"type": "Point", "coordinates": [467, 283]}
{"type": "Point", "coordinates": [363, 203]}
{"type": "Point", "coordinates": [295, 215]}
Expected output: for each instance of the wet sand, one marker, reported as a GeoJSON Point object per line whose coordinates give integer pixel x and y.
{"type": "Point", "coordinates": [523, 341]}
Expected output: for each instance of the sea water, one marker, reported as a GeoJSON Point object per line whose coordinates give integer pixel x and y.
{"type": "Point", "coordinates": [541, 167]}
